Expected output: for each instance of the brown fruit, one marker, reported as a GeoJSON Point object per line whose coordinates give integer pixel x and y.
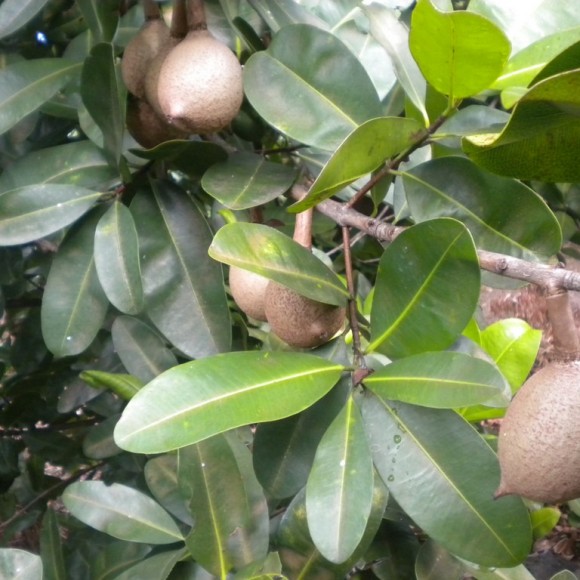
{"type": "Point", "coordinates": [139, 53]}
{"type": "Point", "coordinates": [539, 438]}
{"type": "Point", "coordinates": [248, 290]}
{"type": "Point", "coordinates": [146, 127]}
{"type": "Point", "coordinates": [300, 321]}
{"type": "Point", "coordinates": [200, 84]}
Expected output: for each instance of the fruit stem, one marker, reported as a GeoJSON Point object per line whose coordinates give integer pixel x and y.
{"type": "Point", "coordinates": [151, 10]}
{"type": "Point", "coordinates": [178, 20]}
{"type": "Point", "coordinates": [303, 228]}
{"type": "Point", "coordinates": [197, 20]}
{"type": "Point", "coordinates": [566, 342]}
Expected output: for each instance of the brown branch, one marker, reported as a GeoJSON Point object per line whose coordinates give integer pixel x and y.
{"type": "Point", "coordinates": [197, 20]}
{"type": "Point", "coordinates": [561, 317]}
{"type": "Point", "coordinates": [151, 10]}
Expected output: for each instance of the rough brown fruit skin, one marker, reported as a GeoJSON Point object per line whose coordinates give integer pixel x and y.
{"type": "Point", "coordinates": [300, 321]}
{"type": "Point", "coordinates": [146, 127]}
{"type": "Point", "coordinates": [539, 438]}
{"type": "Point", "coordinates": [140, 52]}
{"type": "Point", "coordinates": [152, 76]}
{"type": "Point", "coordinates": [248, 290]}
{"type": "Point", "coordinates": [200, 84]}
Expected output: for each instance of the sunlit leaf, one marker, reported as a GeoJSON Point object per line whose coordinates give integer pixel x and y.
{"type": "Point", "coordinates": [125, 386]}
{"type": "Point", "coordinates": [20, 564]}
{"type": "Point", "coordinates": [544, 520]}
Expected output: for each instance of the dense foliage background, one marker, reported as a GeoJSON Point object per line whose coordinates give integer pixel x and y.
{"type": "Point", "coordinates": [152, 430]}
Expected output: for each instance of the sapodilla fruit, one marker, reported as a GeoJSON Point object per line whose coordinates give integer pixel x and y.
{"type": "Point", "coordinates": [200, 84]}
{"type": "Point", "coordinates": [539, 438]}
{"type": "Point", "coordinates": [248, 290]}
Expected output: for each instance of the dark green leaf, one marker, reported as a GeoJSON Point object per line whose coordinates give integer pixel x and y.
{"type": "Point", "coordinates": [99, 442]}
{"type": "Point", "coordinates": [247, 180]}
{"type": "Point", "coordinates": [117, 259]}
{"type": "Point", "coordinates": [459, 53]}
{"type": "Point", "coordinates": [439, 379]}
{"type": "Point", "coordinates": [309, 64]}
{"type": "Point", "coordinates": [272, 254]}
{"type": "Point", "coordinates": [184, 289]}
{"type": "Point", "coordinates": [35, 211]}
{"type": "Point", "coordinates": [74, 304]}
{"type": "Point", "coordinates": [115, 558]}
{"type": "Point", "coordinates": [101, 16]}
{"type": "Point", "coordinates": [14, 14]}
{"type": "Point", "coordinates": [158, 566]}
{"type": "Point", "coordinates": [121, 512]}
{"type": "Point", "coordinates": [416, 307]}
{"type": "Point", "coordinates": [27, 85]}
{"type": "Point", "coordinates": [367, 147]}
{"type": "Point", "coordinates": [436, 563]}
{"type": "Point", "coordinates": [439, 469]}
{"type": "Point", "coordinates": [339, 492]}
{"type": "Point", "coordinates": [51, 551]}
{"type": "Point", "coordinates": [196, 400]}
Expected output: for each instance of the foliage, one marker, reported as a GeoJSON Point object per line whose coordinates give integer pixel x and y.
{"type": "Point", "coordinates": [149, 428]}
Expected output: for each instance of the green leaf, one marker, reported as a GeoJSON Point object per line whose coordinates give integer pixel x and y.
{"type": "Point", "coordinates": [117, 259]}
{"type": "Point", "coordinates": [284, 450]}
{"type": "Point", "coordinates": [363, 151]}
{"type": "Point", "coordinates": [101, 16]}
{"type": "Point", "coordinates": [74, 304]}
{"type": "Point", "coordinates": [246, 180]}
{"type": "Point", "coordinates": [99, 442]}
{"type": "Point", "coordinates": [141, 350]}
{"type": "Point", "coordinates": [14, 14]}
{"type": "Point", "coordinates": [539, 142]}
{"type": "Point", "coordinates": [124, 386]}
{"type": "Point", "coordinates": [490, 207]}
{"type": "Point", "coordinates": [564, 575]}
{"type": "Point", "coordinates": [19, 565]}
{"type": "Point", "coordinates": [439, 379]}
{"type": "Point", "coordinates": [436, 563]}
{"type": "Point", "coordinates": [439, 469]}
{"type": "Point", "coordinates": [85, 167]}
{"type": "Point", "coordinates": [339, 492]}
{"type": "Point", "coordinates": [25, 86]}
{"type": "Point", "coordinates": [272, 254]}
{"type": "Point", "coordinates": [116, 557]}
{"type": "Point", "coordinates": [393, 35]}
{"type": "Point", "coordinates": [121, 512]}
{"type": "Point", "coordinates": [158, 566]}
{"type": "Point", "coordinates": [196, 400]}
{"type": "Point", "coordinates": [32, 212]}
{"type": "Point", "coordinates": [281, 13]}
{"type": "Point", "coordinates": [51, 551]}
{"type": "Point", "coordinates": [101, 75]}
{"type": "Point", "coordinates": [459, 53]}
{"type": "Point", "coordinates": [544, 520]}
{"type": "Point", "coordinates": [309, 64]}
{"type": "Point", "coordinates": [416, 307]}
{"type": "Point", "coordinates": [227, 504]}
{"type": "Point", "coordinates": [184, 290]}
{"type": "Point", "coordinates": [513, 344]}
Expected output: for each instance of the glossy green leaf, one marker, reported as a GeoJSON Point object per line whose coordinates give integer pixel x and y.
{"type": "Point", "coordinates": [227, 504]}
{"type": "Point", "coordinates": [309, 64]}
{"type": "Point", "coordinates": [513, 344]}
{"type": "Point", "coordinates": [101, 16]}
{"type": "Point", "coordinates": [459, 53]}
{"type": "Point", "coordinates": [393, 35]}
{"type": "Point", "coordinates": [564, 575]}
{"type": "Point", "coordinates": [493, 573]}
{"type": "Point", "coordinates": [51, 551]}
{"type": "Point", "coordinates": [490, 206]}
{"type": "Point", "coordinates": [158, 566]}
{"type": "Point", "coordinates": [280, 13]}
{"type": "Point", "coordinates": [540, 140]}
{"type": "Point", "coordinates": [117, 259]}
{"type": "Point", "coordinates": [544, 520]}
{"type": "Point", "coordinates": [470, 120]}
{"type": "Point", "coordinates": [115, 558]}
{"type": "Point", "coordinates": [435, 563]}
{"type": "Point", "coordinates": [162, 480]}
{"type": "Point", "coordinates": [26, 85]}
{"type": "Point", "coordinates": [101, 75]}
{"type": "Point", "coordinates": [272, 254]}
{"type": "Point", "coordinates": [124, 386]}
{"type": "Point", "coordinates": [19, 564]}
{"type": "Point", "coordinates": [283, 451]}
{"type": "Point", "coordinates": [121, 511]}
{"type": "Point", "coordinates": [339, 492]}
{"type": "Point", "coordinates": [246, 180]}
{"type": "Point", "coordinates": [439, 469]}
{"type": "Point", "coordinates": [81, 164]}
{"type": "Point", "coordinates": [99, 442]}
{"type": "Point", "coordinates": [416, 307]}
{"type": "Point", "coordinates": [439, 379]}
{"type": "Point", "coordinates": [184, 290]}
{"type": "Point", "coordinates": [363, 151]}
{"type": "Point", "coordinates": [14, 14]}
{"type": "Point", "coordinates": [196, 400]}
{"type": "Point", "coordinates": [141, 350]}
{"type": "Point", "coordinates": [74, 304]}
{"type": "Point", "coordinates": [32, 212]}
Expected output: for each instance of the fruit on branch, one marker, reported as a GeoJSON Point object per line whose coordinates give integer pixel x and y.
{"type": "Point", "coordinates": [143, 48]}
{"type": "Point", "coordinates": [539, 437]}
{"type": "Point", "coordinates": [248, 290]}
{"type": "Point", "coordinates": [200, 82]}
